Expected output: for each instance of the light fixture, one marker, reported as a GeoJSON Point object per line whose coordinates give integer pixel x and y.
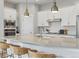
{"type": "Point", "coordinates": [26, 13]}
{"type": "Point", "coordinates": [37, 0]}
{"type": "Point", "coordinates": [54, 8]}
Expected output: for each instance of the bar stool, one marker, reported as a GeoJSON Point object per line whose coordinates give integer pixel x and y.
{"type": "Point", "coordinates": [36, 54]}
{"type": "Point", "coordinates": [19, 51]}
{"type": "Point", "coordinates": [3, 46]}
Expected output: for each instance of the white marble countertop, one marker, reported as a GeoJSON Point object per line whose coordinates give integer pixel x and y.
{"type": "Point", "coordinates": [57, 35]}
{"type": "Point", "coordinates": [46, 40]}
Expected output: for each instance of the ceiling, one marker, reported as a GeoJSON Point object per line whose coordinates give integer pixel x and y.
{"type": "Point", "coordinates": [30, 1]}
{"type": "Point", "coordinates": [60, 3]}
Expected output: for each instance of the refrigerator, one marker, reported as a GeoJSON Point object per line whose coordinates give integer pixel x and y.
{"type": "Point", "coordinates": [77, 26]}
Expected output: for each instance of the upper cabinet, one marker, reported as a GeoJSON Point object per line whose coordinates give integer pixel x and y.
{"type": "Point", "coordinates": [68, 16]}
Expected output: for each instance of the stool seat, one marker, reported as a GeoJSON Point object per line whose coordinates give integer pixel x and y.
{"type": "Point", "coordinates": [17, 50]}
{"type": "Point", "coordinates": [34, 54]}
{"type": "Point", "coordinates": [4, 45]}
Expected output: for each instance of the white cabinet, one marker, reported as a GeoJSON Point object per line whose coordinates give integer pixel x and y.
{"type": "Point", "coordinates": [68, 16]}
{"type": "Point", "coordinates": [27, 25]}
{"type": "Point", "coordinates": [64, 16]}
{"type": "Point", "coordinates": [72, 16]}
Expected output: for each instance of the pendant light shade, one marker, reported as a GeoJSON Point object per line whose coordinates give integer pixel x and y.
{"type": "Point", "coordinates": [26, 13]}
{"type": "Point", "coordinates": [54, 8]}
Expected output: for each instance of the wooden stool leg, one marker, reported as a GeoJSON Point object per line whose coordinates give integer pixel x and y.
{"type": "Point", "coordinates": [19, 56]}
{"type": "Point", "coordinates": [4, 53]}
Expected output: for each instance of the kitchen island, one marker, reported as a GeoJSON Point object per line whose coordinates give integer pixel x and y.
{"type": "Point", "coordinates": [50, 41]}
{"type": "Point", "coordinates": [56, 45]}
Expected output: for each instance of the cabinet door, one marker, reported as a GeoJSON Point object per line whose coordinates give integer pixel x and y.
{"type": "Point", "coordinates": [42, 19]}
{"type": "Point", "coordinates": [64, 16]}
{"type": "Point", "coordinates": [72, 15]}
{"type": "Point", "coordinates": [27, 25]}
{"type": "Point", "coordinates": [68, 16]}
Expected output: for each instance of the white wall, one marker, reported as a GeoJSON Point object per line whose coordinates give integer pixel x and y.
{"type": "Point", "coordinates": [10, 12]}
{"type": "Point", "coordinates": [67, 13]}
{"type": "Point", "coordinates": [1, 18]}
{"type": "Point", "coordinates": [55, 27]}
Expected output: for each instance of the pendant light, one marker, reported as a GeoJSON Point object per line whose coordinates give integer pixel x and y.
{"type": "Point", "coordinates": [26, 13]}
{"type": "Point", "coordinates": [54, 8]}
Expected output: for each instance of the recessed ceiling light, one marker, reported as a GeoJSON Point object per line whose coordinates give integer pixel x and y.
{"type": "Point", "coordinates": [37, 0]}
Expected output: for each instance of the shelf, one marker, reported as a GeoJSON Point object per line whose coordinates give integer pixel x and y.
{"type": "Point", "coordinates": [9, 31]}
{"type": "Point", "coordinates": [9, 28]}
{"type": "Point", "coordinates": [69, 25]}
{"type": "Point", "coordinates": [43, 26]}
